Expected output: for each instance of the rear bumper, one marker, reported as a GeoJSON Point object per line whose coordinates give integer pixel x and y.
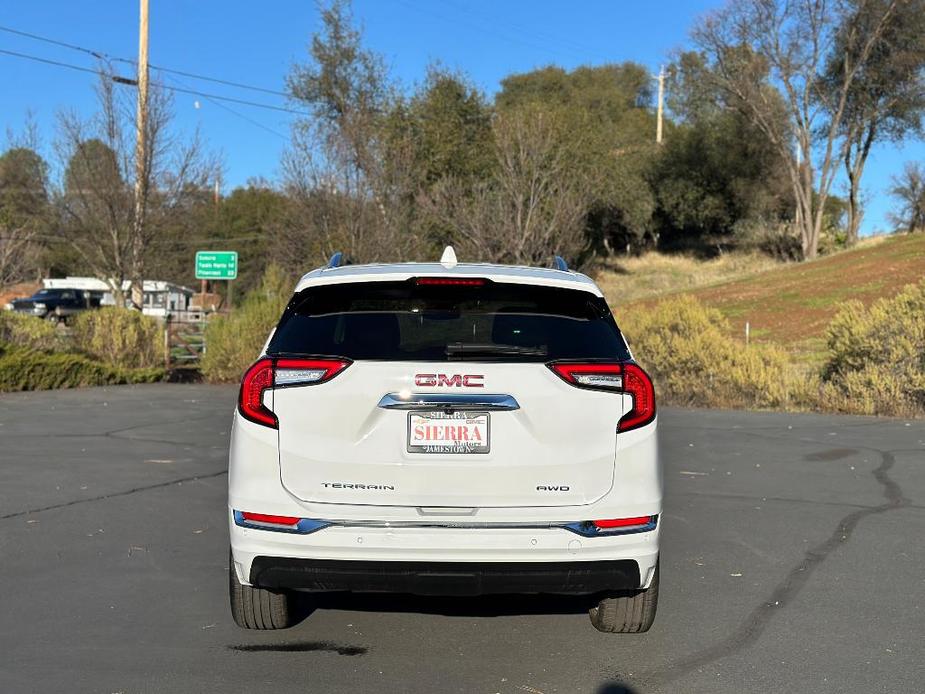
{"type": "Point", "coordinates": [445, 578]}
{"type": "Point", "coordinates": [444, 561]}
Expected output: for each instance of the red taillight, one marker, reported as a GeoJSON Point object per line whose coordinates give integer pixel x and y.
{"type": "Point", "coordinates": [637, 383]}
{"type": "Point", "coordinates": [623, 378]}
{"type": "Point", "coordinates": [622, 522]}
{"type": "Point", "coordinates": [257, 380]}
{"type": "Point", "coordinates": [267, 518]}
{"type": "Point", "coordinates": [267, 373]}
{"type": "Point", "coordinates": [292, 372]}
{"type": "Point", "coordinates": [449, 281]}
{"type": "Point", "coordinates": [596, 376]}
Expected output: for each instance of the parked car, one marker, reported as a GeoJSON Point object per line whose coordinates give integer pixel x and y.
{"type": "Point", "coordinates": [445, 429]}
{"type": "Point", "coordinates": [56, 304]}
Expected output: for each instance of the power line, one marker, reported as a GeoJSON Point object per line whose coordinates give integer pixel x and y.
{"type": "Point", "coordinates": [237, 113]}
{"type": "Point", "coordinates": [105, 56]}
{"type": "Point", "coordinates": [244, 102]}
{"type": "Point", "coordinates": [55, 42]}
{"type": "Point", "coordinates": [161, 85]}
{"type": "Point", "coordinates": [47, 61]}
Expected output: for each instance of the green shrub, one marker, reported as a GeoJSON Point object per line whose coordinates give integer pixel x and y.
{"type": "Point", "coordinates": [687, 350]}
{"type": "Point", "coordinates": [233, 342]}
{"type": "Point", "coordinates": [121, 337]}
{"type": "Point", "coordinates": [27, 369]}
{"type": "Point", "coordinates": [30, 332]}
{"type": "Point", "coordinates": [876, 362]}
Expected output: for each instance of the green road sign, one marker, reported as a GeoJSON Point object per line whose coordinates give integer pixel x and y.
{"type": "Point", "coordinates": [216, 265]}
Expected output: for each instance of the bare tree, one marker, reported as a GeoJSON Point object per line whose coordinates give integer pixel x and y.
{"type": "Point", "coordinates": [96, 199]}
{"type": "Point", "coordinates": [347, 193]}
{"type": "Point", "coordinates": [887, 101]}
{"type": "Point", "coordinates": [533, 206]}
{"type": "Point", "coordinates": [16, 245]}
{"type": "Point", "coordinates": [761, 50]}
{"type": "Point", "coordinates": [909, 191]}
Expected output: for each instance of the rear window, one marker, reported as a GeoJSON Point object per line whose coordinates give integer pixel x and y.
{"type": "Point", "coordinates": [405, 321]}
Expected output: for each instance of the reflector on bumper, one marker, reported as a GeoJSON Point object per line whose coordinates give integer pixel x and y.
{"type": "Point", "coordinates": [280, 524]}
{"type": "Point", "coordinates": [614, 526]}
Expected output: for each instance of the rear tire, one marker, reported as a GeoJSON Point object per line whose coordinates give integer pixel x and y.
{"type": "Point", "coordinates": [627, 613]}
{"type": "Point", "coordinates": [258, 608]}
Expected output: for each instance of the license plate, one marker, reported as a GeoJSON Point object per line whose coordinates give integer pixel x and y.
{"type": "Point", "coordinates": [448, 432]}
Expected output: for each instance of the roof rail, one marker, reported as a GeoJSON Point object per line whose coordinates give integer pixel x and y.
{"type": "Point", "coordinates": [560, 264]}
{"type": "Point", "coordinates": [336, 260]}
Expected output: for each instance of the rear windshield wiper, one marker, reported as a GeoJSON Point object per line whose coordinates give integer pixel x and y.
{"type": "Point", "coordinates": [461, 349]}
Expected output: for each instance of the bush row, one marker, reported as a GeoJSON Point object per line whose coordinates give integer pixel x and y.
{"type": "Point", "coordinates": [121, 337]}
{"type": "Point", "coordinates": [875, 362]}
{"type": "Point", "coordinates": [29, 332]}
{"type": "Point", "coordinates": [687, 350]}
{"type": "Point", "coordinates": [876, 359]}
{"type": "Point", "coordinates": [116, 336]}
{"type": "Point", "coordinates": [105, 347]}
{"type": "Point", "coordinates": [28, 369]}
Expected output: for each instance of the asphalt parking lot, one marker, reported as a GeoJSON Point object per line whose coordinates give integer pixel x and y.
{"type": "Point", "coordinates": [792, 562]}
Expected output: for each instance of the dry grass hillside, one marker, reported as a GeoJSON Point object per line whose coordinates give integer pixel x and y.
{"type": "Point", "coordinates": [654, 274]}
{"type": "Point", "coordinates": [786, 304]}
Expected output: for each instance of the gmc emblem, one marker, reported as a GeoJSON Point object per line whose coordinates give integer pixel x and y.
{"type": "Point", "coordinates": [456, 380]}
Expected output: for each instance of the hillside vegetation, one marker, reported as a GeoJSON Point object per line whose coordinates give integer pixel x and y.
{"type": "Point", "coordinates": [788, 305]}
{"type": "Point", "coordinates": [655, 274]}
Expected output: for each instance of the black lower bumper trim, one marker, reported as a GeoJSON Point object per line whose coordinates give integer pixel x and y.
{"type": "Point", "coordinates": [445, 578]}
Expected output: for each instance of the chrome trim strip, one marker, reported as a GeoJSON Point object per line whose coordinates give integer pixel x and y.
{"type": "Point", "coordinates": [306, 526]}
{"type": "Point", "coordinates": [447, 401]}
{"type": "Point", "coordinates": [466, 525]}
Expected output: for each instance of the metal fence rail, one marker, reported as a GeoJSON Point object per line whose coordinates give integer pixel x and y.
{"type": "Point", "coordinates": [184, 339]}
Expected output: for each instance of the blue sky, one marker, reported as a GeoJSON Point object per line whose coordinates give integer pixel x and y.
{"type": "Point", "coordinates": [256, 43]}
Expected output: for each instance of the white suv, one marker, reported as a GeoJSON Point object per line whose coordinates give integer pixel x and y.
{"type": "Point", "coordinates": [445, 429]}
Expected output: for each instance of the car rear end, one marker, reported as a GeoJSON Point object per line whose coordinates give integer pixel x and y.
{"type": "Point", "coordinates": [419, 430]}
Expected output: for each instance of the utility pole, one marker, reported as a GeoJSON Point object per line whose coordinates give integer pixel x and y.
{"type": "Point", "coordinates": [141, 160]}
{"type": "Point", "coordinates": [661, 104]}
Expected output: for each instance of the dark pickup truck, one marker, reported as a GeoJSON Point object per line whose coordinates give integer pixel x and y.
{"type": "Point", "coordinates": [56, 304]}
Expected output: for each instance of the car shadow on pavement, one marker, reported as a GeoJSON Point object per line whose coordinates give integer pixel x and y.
{"type": "Point", "coordinates": [299, 647]}
{"type": "Point", "coordinates": [615, 688]}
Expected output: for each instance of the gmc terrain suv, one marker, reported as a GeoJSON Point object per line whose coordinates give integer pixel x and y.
{"type": "Point", "coordinates": [445, 429]}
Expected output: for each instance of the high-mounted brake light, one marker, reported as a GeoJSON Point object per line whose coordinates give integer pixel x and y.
{"type": "Point", "coordinates": [623, 378]}
{"type": "Point", "coordinates": [449, 281]}
{"type": "Point", "coordinates": [267, 374]}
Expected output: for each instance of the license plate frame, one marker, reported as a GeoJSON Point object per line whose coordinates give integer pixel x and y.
{"type": "Point", "coordinates": [458, 448]}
